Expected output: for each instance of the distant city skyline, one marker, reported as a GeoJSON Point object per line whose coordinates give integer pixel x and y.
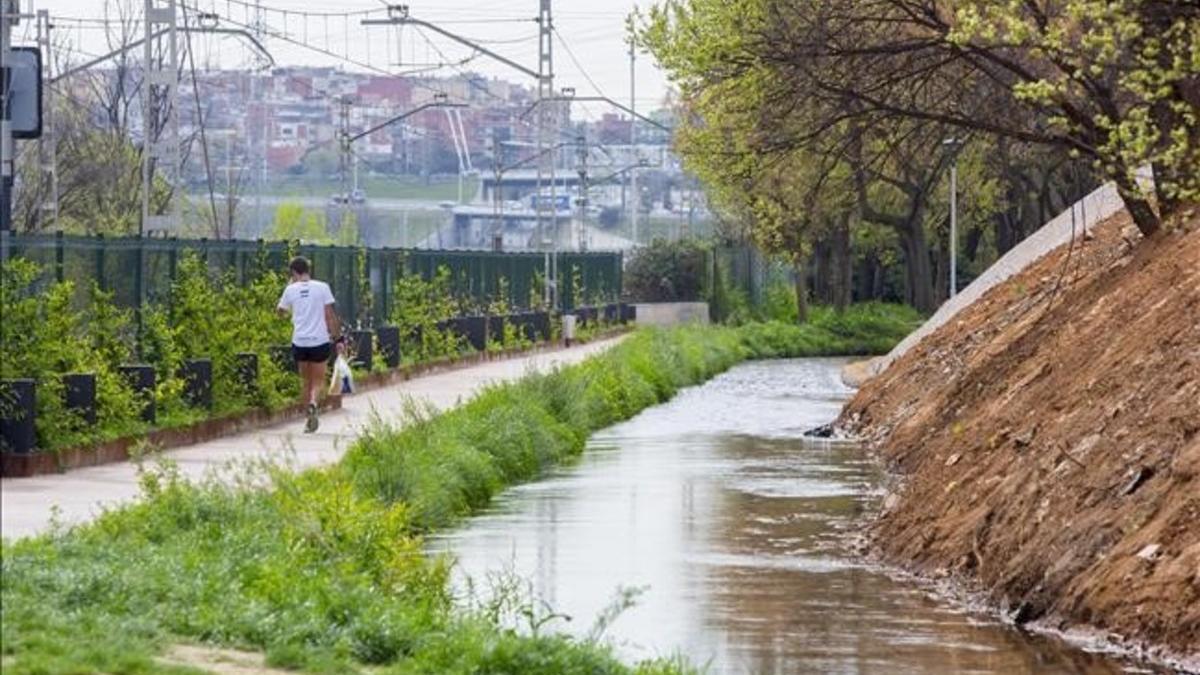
{"type": "Point", "coordinates": [593, 60]}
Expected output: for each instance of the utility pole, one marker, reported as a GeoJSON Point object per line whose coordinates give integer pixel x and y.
{"type": "Point", "coordinates": [344, 157]}
{"type": "Point", "coordinates": [497, 197]}
{"type": "Point", "coordinates": [634, 197]}
{"type": "Point", "coordinates": [9, 17]}
{"type": "Point", "coordinates": [256, 146]}
{"type": "Point", "coordinates": [229, 184]}
{"type": "Point", "coordinates": [258, 93]}
{"type": "Point", "coordinates": [581, 155]}
{"type": "Point", "coordinates": [160, 113]}
{"type": "Point", "coordinates": [953, 145]}
{"type": "Point", "coordinates": [547, 121]}
{"type": "Point", "coordinates": [48, 143]}
{"type": "Point", "coordinates": [954, 227]}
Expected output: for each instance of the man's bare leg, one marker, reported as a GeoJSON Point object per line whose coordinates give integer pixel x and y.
{"type": "Point", "coordinates": [318, 378]}
{"type": "Point", "coordinates": [312, 380]}
{"type": "Point", "coordinates": [305, 393]}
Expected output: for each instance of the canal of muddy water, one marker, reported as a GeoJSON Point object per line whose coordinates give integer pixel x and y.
{"type": "Point", "coordinates": [732, 535]}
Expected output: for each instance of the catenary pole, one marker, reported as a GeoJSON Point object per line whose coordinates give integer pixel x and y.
{"type": "Point", "coordinates": [634, 197]}
{"type": "Point", "coordinates": [9, 16]}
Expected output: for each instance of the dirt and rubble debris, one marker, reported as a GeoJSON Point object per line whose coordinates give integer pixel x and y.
{"type": "Point", "coordinates": [1074, 392]}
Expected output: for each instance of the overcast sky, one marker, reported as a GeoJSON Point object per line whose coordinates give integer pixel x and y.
{"type": "Point", "coordinates": [594, 30]}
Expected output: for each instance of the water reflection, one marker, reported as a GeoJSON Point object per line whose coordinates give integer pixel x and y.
{"type": "Point", "coordinates": [737, 530]}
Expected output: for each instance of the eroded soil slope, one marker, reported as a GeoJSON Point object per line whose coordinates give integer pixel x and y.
{"type": "Point", "coordinates": [1046, 442]}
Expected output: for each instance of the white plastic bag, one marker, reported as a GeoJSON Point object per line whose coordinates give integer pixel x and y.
{"type": "Point", "coordinates": [341, 381]}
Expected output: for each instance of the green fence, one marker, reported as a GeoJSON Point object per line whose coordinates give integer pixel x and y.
{"type": "Point", "coordinates": [140, 271]}
{"type": "Point", "coordinates": [742, 268]}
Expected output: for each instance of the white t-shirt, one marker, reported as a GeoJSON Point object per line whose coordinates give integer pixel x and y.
{"type": "Point", "coordinates": [307, 301]}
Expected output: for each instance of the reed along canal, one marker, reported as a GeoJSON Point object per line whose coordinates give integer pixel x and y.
{"type": "Point", "coordinates": [733, 535]}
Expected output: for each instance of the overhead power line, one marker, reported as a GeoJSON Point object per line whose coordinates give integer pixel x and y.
{"type": "Point", "coordinates": [582, 71]}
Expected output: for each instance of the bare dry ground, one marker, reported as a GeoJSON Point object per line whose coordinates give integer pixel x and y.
{"type": "Point", "coordinates": [1045, 442]}
{"type": "Point", "coordinates": [219, 661]}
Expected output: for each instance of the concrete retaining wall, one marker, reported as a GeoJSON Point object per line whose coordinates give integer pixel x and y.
{"type": "Point", "coordinates": [671, 313]}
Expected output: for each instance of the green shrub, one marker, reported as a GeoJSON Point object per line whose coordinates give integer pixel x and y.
{"type": "Point", "coordinates": [418, 307]}
{"type": "Point", "coordinates": [50, 330]}
{"type": "Point", "coordinates": [212, 316]}
{"type": "Point", "coordinates": [44, 336]}
{"type": "Point", "coordinates": [667, 271]}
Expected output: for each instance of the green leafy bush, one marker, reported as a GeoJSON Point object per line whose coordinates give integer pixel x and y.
{"type": "Point", "coordinates": [212, 316]}
{"type": "Point", "coordinates": [667, 272]}
{"type": "Point", "coordinates": [44, 336]}
{"type": "Point", "coordinates": [48, 331]}
{"type": "Point", "coordinates": [417, 308]}
{"type": "Point", "coordinates": [512, 337]}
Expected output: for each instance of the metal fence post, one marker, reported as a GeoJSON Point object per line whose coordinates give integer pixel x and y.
{"type": "Point", "coordinates": [139, 290]}
{"type": "Point", "coordinates": [619, 280]}
{"type": "Point", "coordinates": [355, 286]}
{"type": "Point", "coordinates": [514, 285]}
{"type": "Point", "coordinates": [383, 308]}
{"type": "Point", "coordinates": [59, 255]}
{"type": "Point", "coordinates": [172, 262]}
{"type": "Point", "coordinates": [100, 263]}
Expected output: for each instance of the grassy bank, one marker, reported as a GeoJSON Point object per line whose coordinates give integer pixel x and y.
{"type": "Point", "coordinates": [324, 571]}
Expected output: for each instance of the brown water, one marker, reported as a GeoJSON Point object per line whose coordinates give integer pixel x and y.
{"type": "Point", "coordinates": [736, 531]}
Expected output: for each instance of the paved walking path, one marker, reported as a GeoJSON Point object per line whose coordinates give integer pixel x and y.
{"type": "Point", "coordinates": [28, 504]}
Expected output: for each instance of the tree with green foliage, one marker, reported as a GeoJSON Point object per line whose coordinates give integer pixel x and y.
{"type": "Point", "coordinates": [667, 272]}
{"type": "Point", "coordinates": [1115, 82]}
{"type": "Point", "coordinates": [811, 123]}
{"type": "Point", "coordinates": [293, 222]}
{"type": "Point", "coordinates": [742, 140]}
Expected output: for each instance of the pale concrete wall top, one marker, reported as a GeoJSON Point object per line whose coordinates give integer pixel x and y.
{"type": "Point", "coordinates": [671, 313]}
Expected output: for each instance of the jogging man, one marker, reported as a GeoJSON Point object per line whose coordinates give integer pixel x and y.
{"type": "Point", "coordinates": [314, 323]}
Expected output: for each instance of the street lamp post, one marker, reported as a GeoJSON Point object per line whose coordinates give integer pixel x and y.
{"type": "Point", "coordinates": [953, 145]}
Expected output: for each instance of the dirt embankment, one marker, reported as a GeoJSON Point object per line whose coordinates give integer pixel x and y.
{"type": "Point", "coordinates": [1046, 443]}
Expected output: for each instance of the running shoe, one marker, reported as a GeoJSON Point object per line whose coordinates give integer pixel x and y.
{"type": "Point", "coordinates": [312, 423]}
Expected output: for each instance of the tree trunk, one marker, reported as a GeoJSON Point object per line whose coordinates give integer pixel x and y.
{"type": "Point", "coordinates": [842, 264]}
{"type": "Point", "coordinates": [1167, 204]}
{"type": "Point", "coordinates": [941, 269]}
{"type": "Point", "coordinates": [1138, 206]}
{"type": "Point", "coordinates": [801, 273]}
{"type": "Point", "coordinates": [819, 262]}
{"type": "Point", "coordinates": [917, 268]}
{"type": "Point", "coordinates": [971, 249]}
{"type": "Point", "coordinates": [1002, 225]}
{"type": "Point", "coordinates": [862, 279]}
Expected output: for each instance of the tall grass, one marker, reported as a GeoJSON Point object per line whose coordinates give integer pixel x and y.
{"type": "Point", "coordinates": [324, 570]}
{"type": "Point", "coordinates": [864, 329]}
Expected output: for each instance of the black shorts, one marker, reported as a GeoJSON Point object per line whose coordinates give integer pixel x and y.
{"type": "Point", "coordinates": [318, 354]}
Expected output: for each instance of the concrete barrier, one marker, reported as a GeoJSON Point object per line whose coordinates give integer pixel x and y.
{"type": "Point", "coordinates": [670, 313]}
